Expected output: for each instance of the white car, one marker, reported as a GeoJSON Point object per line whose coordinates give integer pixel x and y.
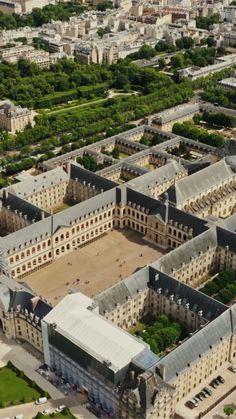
{"type": "Point", "coordinates": [41, 400]}
{"type": "Point", "coordinates": [60, 408]}
{"type": "Point", "coordinates": [47, 411]}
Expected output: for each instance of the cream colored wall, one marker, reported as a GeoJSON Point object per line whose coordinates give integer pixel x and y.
{"type": "Point", "coordinates": [50, 197]}
{"type": "Point", "coordinates": [44, 250]}
{"type": "Point", "coordinates": [13, 220]}
{"type": "Point", "coordinates": [202, 369]}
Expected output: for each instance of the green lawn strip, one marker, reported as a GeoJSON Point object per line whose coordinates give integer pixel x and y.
{"type": "Point", "coordinates": [14, 389]}
{"type": "Point", "coordinates": [73, 108]}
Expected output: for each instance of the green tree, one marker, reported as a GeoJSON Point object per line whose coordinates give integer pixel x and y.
{"type": "Point", "coordinates": [229, 410]}
{"type": "Point", "coordinates": [115, 153]}
{"type": "Point", "coordinates": [177, 61]}
{"type": "Point", "coordinates": [161, 63]}
{"type": "Point", "coordinates": [104, 5]}
{"type": "Point", "coordinates": [102, 31]}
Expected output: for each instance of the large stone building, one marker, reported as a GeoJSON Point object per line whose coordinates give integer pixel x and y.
{"type": "Point", "coordinates": [21, 312]}
{"type": "Point", "coordinates": [84, 343]}
{"type": "Point", "coordinates": [182, 206]}
{"type": "Point", "coordinates": [14, 118]}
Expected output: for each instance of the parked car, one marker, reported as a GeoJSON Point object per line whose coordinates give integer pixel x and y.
{"type": "Point", "coordinates": [195, 401]}
{"type": "Point", "coordinates": [232, 368]}
{"type": "Point", "coordinates": [47, 411]}
{"type": "Point", "coordinates": [201, 396]}
{"type": "Point", "coordinates": [60, 408]}
{"type": "Point", "coordinates": [207, 390]}
{"type": "Point", "coordinates": [213, 384]}
{"type": "Point", "coordinates": [218, 383]}
{"type": "Point", "coordinates": [204, 393]}
{"type": "Point", "coordinates": [41, 400]}
{"type": "Point", "coordinates": [221, 379]}
{"type": "Point", "coordinates": [190, 404]}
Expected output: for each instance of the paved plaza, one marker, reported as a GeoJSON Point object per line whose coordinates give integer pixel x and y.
{"type": "Point", "coordinates": [94, 267]}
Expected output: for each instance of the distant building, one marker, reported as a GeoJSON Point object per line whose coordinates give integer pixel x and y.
{"type": "Point", "coordinates": [194, 72]}
{"type": "Point", "coordinates": [167, 118]}
{"type": "Point", "coordinates": [22, 6]}
{"type": "Point", "coordinates": [228, 84]}
{"type": "Point", "coordinates": [14, 118]}
{"type": "Point", "coordinates": [42, 58]}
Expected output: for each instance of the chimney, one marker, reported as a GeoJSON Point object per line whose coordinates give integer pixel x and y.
{"type": "Point", "coordinates": [162, 370]}
{"type": "Point", "coordinates": [34, 302]}
{"type": "Point", "coordinates": [167, 207]}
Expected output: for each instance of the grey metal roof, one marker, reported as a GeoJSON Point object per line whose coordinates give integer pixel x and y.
{"type": "Point", "coordinates": [158, 176]}
{"type": "Point", "coordinates": [177, 112]}
{"type": "Point", "coordinates": [227, 239]}
{"type": "Point", "coordinates": [184, 254]}
{"type": "Point", "coordinates": [170, 286]}
{"type": "Point", "coordinates": [64, 218]}
{"type": "Point", "coordinates": [228, 223]}
{"type": "Point", "coordinates": [35, 184]}
{"type": "Point", "coordinates": [120, 292]}
{"type": "Point", "coordinates": [199, 182]}
{"type": "Point", "coordinates": [22, 206]}
{"type": "Point", "coordinates": [200, 343]}
{"type": "Point", "coordinates": [78, 172]}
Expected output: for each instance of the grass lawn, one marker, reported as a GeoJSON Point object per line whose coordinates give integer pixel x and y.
{"type": "Point", "coordinates": [60, 208]}
{"type": "Point", "coordinates": [123, 155]}
{"type": "Point", "coordinates": [14, 388]}
{"type": "Point", "coordinates": [138, 328]}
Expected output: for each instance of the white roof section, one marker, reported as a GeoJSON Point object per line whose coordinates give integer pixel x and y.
{"type": "Point", "coordinates": [229, 82]}
{"type": "Point", "coordinates": [75, 319]}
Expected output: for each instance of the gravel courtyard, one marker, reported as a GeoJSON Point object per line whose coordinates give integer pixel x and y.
{"type": "Point", "coordinates": [94, 267]}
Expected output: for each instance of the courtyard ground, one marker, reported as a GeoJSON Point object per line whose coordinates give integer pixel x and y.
{"type": "Point", "coordinates": [216, 412]}
{"type": "Point", "coordinates": [94, 267]}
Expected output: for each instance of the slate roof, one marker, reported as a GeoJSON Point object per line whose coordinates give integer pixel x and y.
{"type": "Point", "coordinates": [35, 184]}
{"type": "Point", "coordinates": [158, 176]}
{"type": "Point", "coordinates": [229, 223]}
{"type": "Point", "coordinates": [64, 218]}
{"type": "Point", "coordinates": [210, 307]}
{"type": "Point", "coordinates": [183, 254]}
{"type": "Point", "coordinates": [177, 112]}
{"type": "Point", "coordinates": [120, 292]}
{"type": "Point", "coordinates": [24, 207]}
{"type": "Point", "coordinates": [198, 344]}
{"type": "Point", "coordinates": [199, 182]}
{"type": "Point", "coordinates": [77, 171]}
{"type": "Point", "coordinates": [24, 299]}
{"type": "Point", "coordinates": [226, 238]}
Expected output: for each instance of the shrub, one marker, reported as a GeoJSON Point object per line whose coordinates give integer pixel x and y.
{"type": "Point", "coordinates": [15, 402]}
{"type": "Point", "coordinates": [33, 384]}
{"type": "Point", "coordinates": [10, 365]}
{"type": "Point", "coordinates": [20, 374]}
{"type": "Point", "coordinates": [26, 399]}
